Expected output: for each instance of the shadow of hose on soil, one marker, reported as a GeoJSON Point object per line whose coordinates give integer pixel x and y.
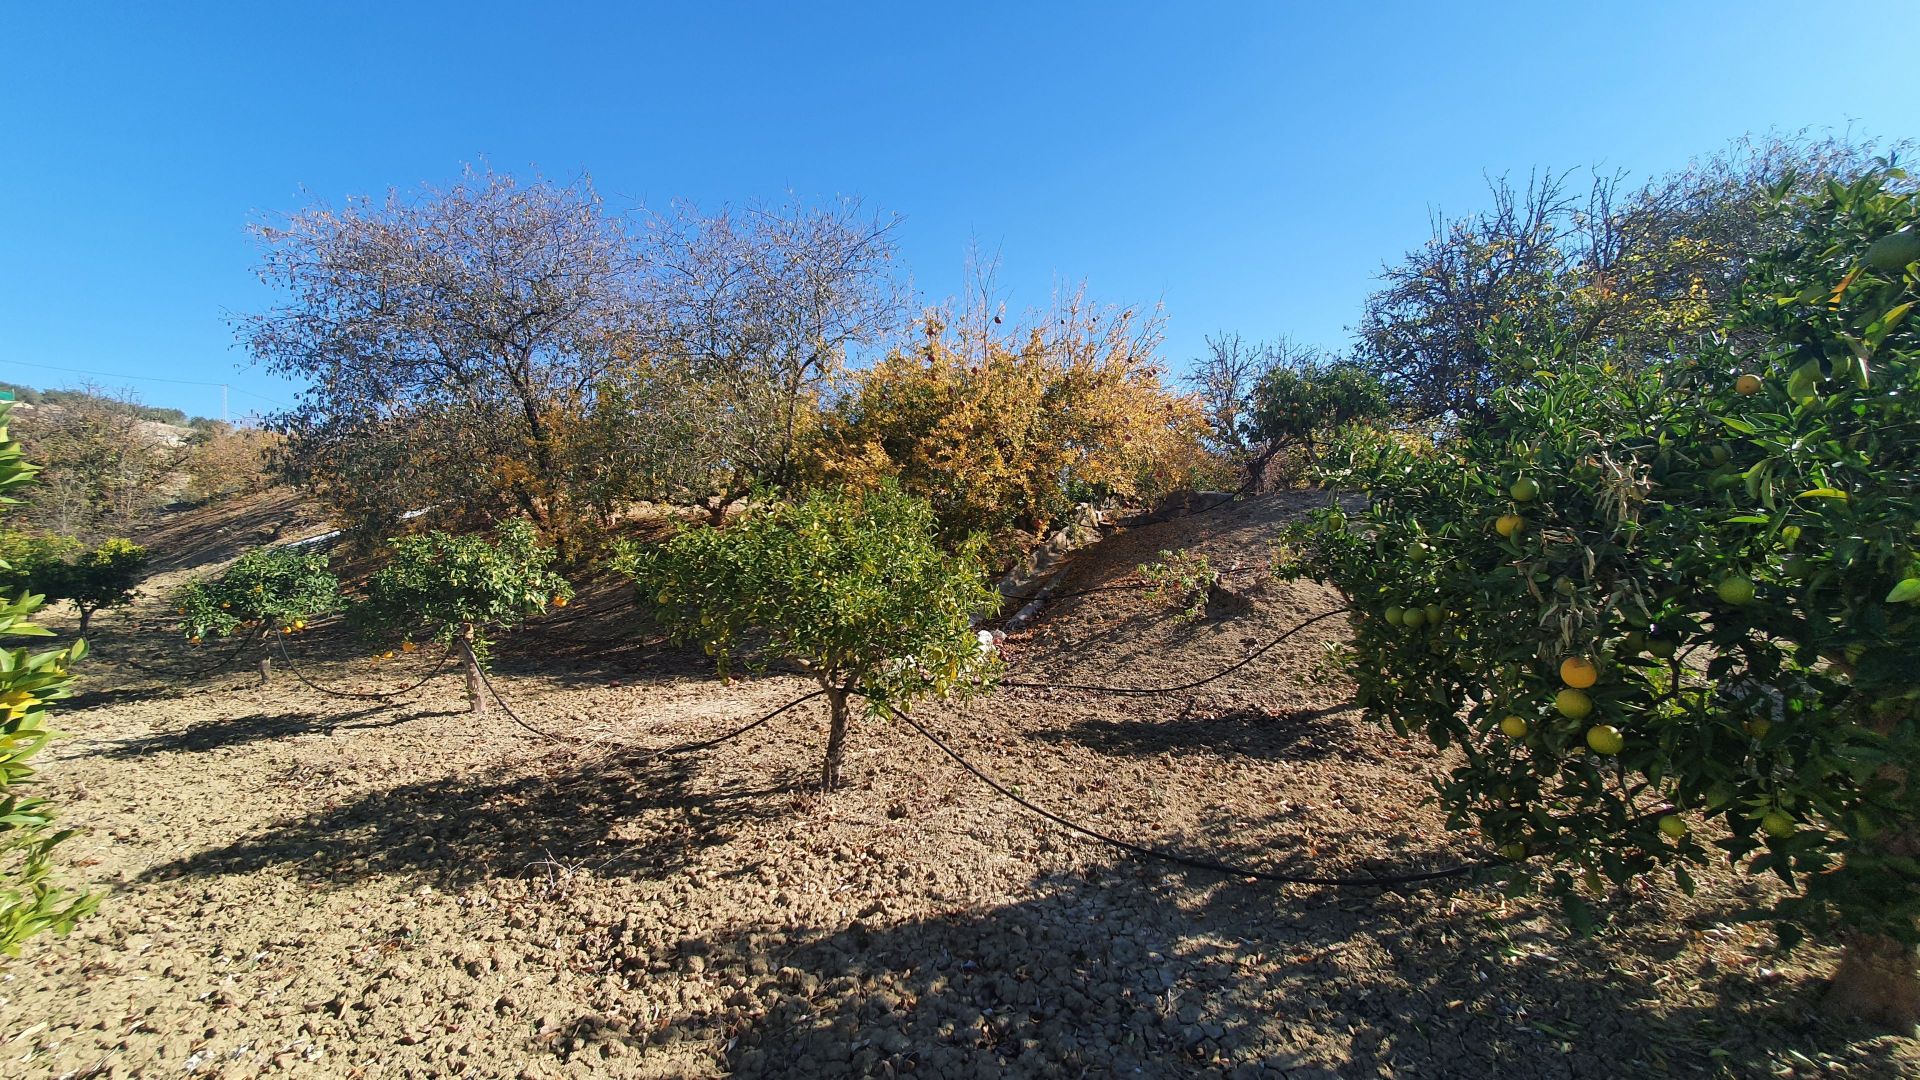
{"type": "Point", "coordinates": [241, 730]}
{"type": "Point", "coordinates": [460, 830]}
{"type": "Point", "coordinates": [1286, 735]}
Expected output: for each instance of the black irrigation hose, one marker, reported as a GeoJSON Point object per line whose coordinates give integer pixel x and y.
{"type": "Point", "coordinates": [1152, 690]}
{"type": "Point", "coordinates": [1197, 863]}
{"type": "Point", "coordinates": [199, 672]}
{"type": "Point", "coordinates": [438, 666]}
{"type": "Point", "coordinates": [680, 748]}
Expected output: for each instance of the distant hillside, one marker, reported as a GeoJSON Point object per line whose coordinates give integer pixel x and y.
{"type": "Point", "coordinates": [27, 395]}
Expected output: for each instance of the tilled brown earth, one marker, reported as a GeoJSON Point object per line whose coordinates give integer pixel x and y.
{"type": "Point", "coordinates": [306, 884]}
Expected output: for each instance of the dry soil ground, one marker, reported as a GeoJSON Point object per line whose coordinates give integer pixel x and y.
{"type": "Point", "coordinates": [300, 883]}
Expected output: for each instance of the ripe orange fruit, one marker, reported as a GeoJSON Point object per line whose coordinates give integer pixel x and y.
{"type": "Point", "coordinates": [1747, 385]}
{"type": "Point", "coordinates": [1605, 739]}
{"type": "Point", "coordinates": [1514, 727]}
{"type": "Point", "coordinates": [1578, 672]}
{"type": "Point", "coordinates": [1573, 704]}
{"type": "Point", "coordinates": [408, 646]}
{"type": "Point", "coordinates": [559, 601]}
{"type": "Point", "coordinates": [1509, 525]}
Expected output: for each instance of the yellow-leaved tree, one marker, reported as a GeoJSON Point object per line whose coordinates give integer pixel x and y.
{"type": "Point", "coordinates": [1003, 432]}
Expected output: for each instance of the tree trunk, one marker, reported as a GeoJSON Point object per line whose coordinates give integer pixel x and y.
{"type": "Point", "coordinates": [266, 670]}
{"type": "Point", "coordinates": [86, 619]}
{"type": "Point", "coordinates": [1878, 981]}
{"type": "Point", "coordinates": [836, 737]}
{"type": "Point", "coordinates": [476, 690]}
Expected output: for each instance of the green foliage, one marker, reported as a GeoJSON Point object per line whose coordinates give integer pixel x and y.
{"type": "Point", "coordinates": [1183, 577]}
{"type": "Point", "coordinates": [273, 588]}
{"type": "Point", "coordinates": [59, 568]}
{"type": "Point", "coordinates": [855, 587]}
{"type": "Point", "coordinates": [1304, 405]}
{"type": "Point", "coordinates": [33, 561]}
{"type": "Point", "coordinates": [1733, 563]}
{"type": "Point", "coordinates": [100, 578]}
{"type": "Point", "coordinates": [442, 583]}
{"type": "Point", "coordinates": [29, 901]}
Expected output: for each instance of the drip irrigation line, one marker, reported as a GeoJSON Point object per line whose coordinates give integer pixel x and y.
{"type": "Point", "coordinates": [1147, 691]}
{"type": "Point", "coordinates": [199, 672]}
{"type": "Point", "coordinates": [1198, 863]}
{"type": "Point", "coordinates": [438, 666]}
{"type": "Point", "coordinates": [665, 751]}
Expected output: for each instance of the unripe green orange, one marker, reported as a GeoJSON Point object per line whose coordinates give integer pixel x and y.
{"type": "Point", "coordinates": [1573, 704]}
{"type": "Point", "coordinates": [1605, 739]}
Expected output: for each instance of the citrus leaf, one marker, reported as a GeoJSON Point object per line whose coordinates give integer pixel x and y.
{"type": "Point", "coordinates": [1824, 493]}
{"type": "Point", "coordinates": [1906, 592]}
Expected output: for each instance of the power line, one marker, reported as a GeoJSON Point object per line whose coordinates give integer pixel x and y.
{"type": "Point", "coordinates": [151, 378]}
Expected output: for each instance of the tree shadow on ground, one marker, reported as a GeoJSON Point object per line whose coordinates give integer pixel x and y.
{"type": "Point", "coordinates": [462, 829]}
{"type": "Point", "coordinates": [1267, 735]}
{"type": "Point", "coordinates": [241, 730]}
{"type": "Point", "coordinates": [1124, 970]}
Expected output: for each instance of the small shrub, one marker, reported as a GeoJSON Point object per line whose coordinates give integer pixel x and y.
{"type": "Point", "coordinates": [1182, 577]}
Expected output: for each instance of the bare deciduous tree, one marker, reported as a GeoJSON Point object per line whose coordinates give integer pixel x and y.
{"type": "Point", "coordinates": [761, 308]}
{"type": "Point", "coordinates": [454, 330]}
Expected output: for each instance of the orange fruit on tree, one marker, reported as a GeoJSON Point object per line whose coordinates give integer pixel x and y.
{"type": "Point", "coordinates": [1573, 704]}
{"type": "Point", "coordinates": [1514, 727]}
{"type": "Point", "coordinates": [1779, 824]}
{"type": "Point", "coordinates": [1578, 672]}
{"type": "Point", "coordinates": [1509, 525]}
{"type": "Point", "coordinates": [1605, 739]}
{"type": "Point", "coordinates": [1747, 385]}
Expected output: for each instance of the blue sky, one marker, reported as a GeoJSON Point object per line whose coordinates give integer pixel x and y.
{"type": "Point", "coordinates": [1249, 165]}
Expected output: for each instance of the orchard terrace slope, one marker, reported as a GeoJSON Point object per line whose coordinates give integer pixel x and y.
{"type": "Point", "coordinates": [300, 884]}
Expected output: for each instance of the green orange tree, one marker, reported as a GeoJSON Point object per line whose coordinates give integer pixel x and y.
{"type": "Point", "coordinates": [266, 590]}
{"type": "Point", "coordinates": [460, 589]}
{"type": "Point", "coordinates": [854, 588]}
{"type": "Point", "coordinates": [1642, 597]}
